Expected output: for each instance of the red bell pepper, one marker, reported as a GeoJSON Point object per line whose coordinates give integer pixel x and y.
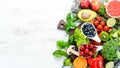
{"type": "Point", "coordinates": [96, 62]}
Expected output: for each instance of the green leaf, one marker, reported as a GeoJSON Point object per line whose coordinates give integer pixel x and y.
{"type": "Point", "coordinates": [67, 62]}
{"type": "Point", "coordinates": [62, 44]}
{"type": "Point", "coordinates": [68, 17]}
{"type": "Point", "coordinates": [71, 39]}
{"type": "Point", "coordinates": [73, 19]}
{"type": "Point", "coordinates": [59, 53]}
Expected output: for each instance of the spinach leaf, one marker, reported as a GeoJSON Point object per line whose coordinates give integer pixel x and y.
{"type": "Point", "coordinates": [62, 44]}
{"type": "Point", "coordinates": [67, 62]}
{"type": "Point", "coordinates": [59, 53]}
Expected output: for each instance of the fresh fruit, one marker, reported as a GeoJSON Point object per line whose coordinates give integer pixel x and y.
{"type": "Point", "coordinates": [113, 8]}
{"type": "Point", "coordinates": [104, 36]}
{"type": "Point", "coordinates": [88, 51]}
{"type": "Point", "coordinates": [81, 53]}
{"type": "Point", "coordinates": [88, 30]}
{"type": "Point", "coordinates": [96, 23]}
{"type": "Point", "coordinates": [98, 18]}
{"type": "Point", "coordinates": [102, 23]}
{"type": "Point", "coordinates": [106, 28]}
{"type": "Point", "coordinates": [111, 22]}
{"type": "Point", "coordinates": [99, 27]}
{"type": "Point", "coordinates": [86, 15]}
{"type": "Point", "coordinates": [85, 3]}
{"type": "Point", "coordinates": [82, 48]}
{"type": "Point", "coordinates": [80, 62]}
{"type": "Point", "coordinates": [95, 5]}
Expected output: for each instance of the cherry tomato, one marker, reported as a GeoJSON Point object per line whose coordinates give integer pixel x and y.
{"type": "Point", "coordinates": [96, 23]}
{"type": "Point", "coordinates": [99, 27]}
{"type": "Point", "coordinates": [110, 29]}
{"type": "Point", "coordinates": [92, 21]}
{"type": "Point", "coordinates": [98, 18]}
{"type": "Point", "coordinates": [86, 51]}
{"type": "Point", "coordinates": [106, 28]}
{"type": "Point", "coordinates": [91, 46]}
{"type": "Point", "coordinates": [81, 53]}
{"type": "Point", "coordinates": [90, 53]}
{"type": "Point", "coordinates": [102, 23]}
{"type": "Point", "coordinates": [82, 48]}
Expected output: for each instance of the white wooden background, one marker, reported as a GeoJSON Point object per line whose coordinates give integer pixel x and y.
{"type": "Point", "coordinates": [28, 32]}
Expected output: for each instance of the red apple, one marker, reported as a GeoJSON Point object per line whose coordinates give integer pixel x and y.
{"type": "Point", "coordinates": [95, 5]}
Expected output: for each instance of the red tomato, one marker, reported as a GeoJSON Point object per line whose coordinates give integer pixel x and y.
{"type": "Point", "coordinates": [106, 28]}
{"type": "Point", "coordinates": [110, 29]}
{"type": "Point", "coordinates": [99, 27]}
{"type": "Point", "coordinates": [82, 48]}
{"type": "Point", "coordinates": [96, 23]}
{"type": "Point", "coordinates": [92, 21]}
{"type": "Point", "coordinates": [81, 53]}
{"type": "Point", "coordinates": [102, 23]}
{"type": "Point", "coordinates": [98, 18]}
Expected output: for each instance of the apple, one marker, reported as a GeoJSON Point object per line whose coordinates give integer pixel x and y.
{"type": "Point", "coordinates": [95, 5]}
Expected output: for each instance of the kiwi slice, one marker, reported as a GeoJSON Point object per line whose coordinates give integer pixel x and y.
{"type": "Point", "coordinates": [104, 36]}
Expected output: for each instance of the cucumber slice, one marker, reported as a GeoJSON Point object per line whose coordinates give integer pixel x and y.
{"type": "Point", "coordinates": [111, 22]}
{"type": "Point", "coordinates": [109, 65]}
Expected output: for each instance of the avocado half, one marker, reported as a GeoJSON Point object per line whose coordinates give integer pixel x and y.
{"type": "Point", "coordinates": [88, 15]}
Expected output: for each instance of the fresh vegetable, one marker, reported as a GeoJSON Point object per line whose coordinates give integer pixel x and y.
{"type": "Point", "coordinates": [98, 18]}
{"type": "Point", "coordinates": [67, 62]}
{"type": "Point", "coordinates": [95, 5]}
{"type": "Point", "coordinates": [80, 38]}
{"type": "Point", "coordinates": [59, 53]}
{"type": "Point", "coordinates": [102, 23]}
{"type": "Point", "coordinates": [106, 28]}
{"type": "Point", "coordinates": [109, 51]}
{"type": "Point", "coordinates": [102, 10]}
{"type": "Point", "coordinates": [109, 64]}
{"type": "Point", "coordinates": [85, 3]}
{"type": "Point", "coordinates": [62, 44]}
{"type": "Point", "coordinates": [99, 27]}
{"type": "Point", "coordinates": [111, 22]}
{"type": "Point", "coordinates": [70, 22]}
{"type": "Point", "coordinates": [104, 36]}
{"type": "Point", "coordinates": [96, 62]}
{"type": "Point", "coordinates": [80, 62]}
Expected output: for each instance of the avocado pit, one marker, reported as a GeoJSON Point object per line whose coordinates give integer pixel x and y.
{"type": "Point", "coordinates": [85, 15]}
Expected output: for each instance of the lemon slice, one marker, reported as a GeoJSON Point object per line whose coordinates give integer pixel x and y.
{"type": "Point", "coordinates": [111, 22]}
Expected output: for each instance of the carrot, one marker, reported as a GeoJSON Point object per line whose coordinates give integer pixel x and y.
{"type": "Point", "coordinates": [80, 62]}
